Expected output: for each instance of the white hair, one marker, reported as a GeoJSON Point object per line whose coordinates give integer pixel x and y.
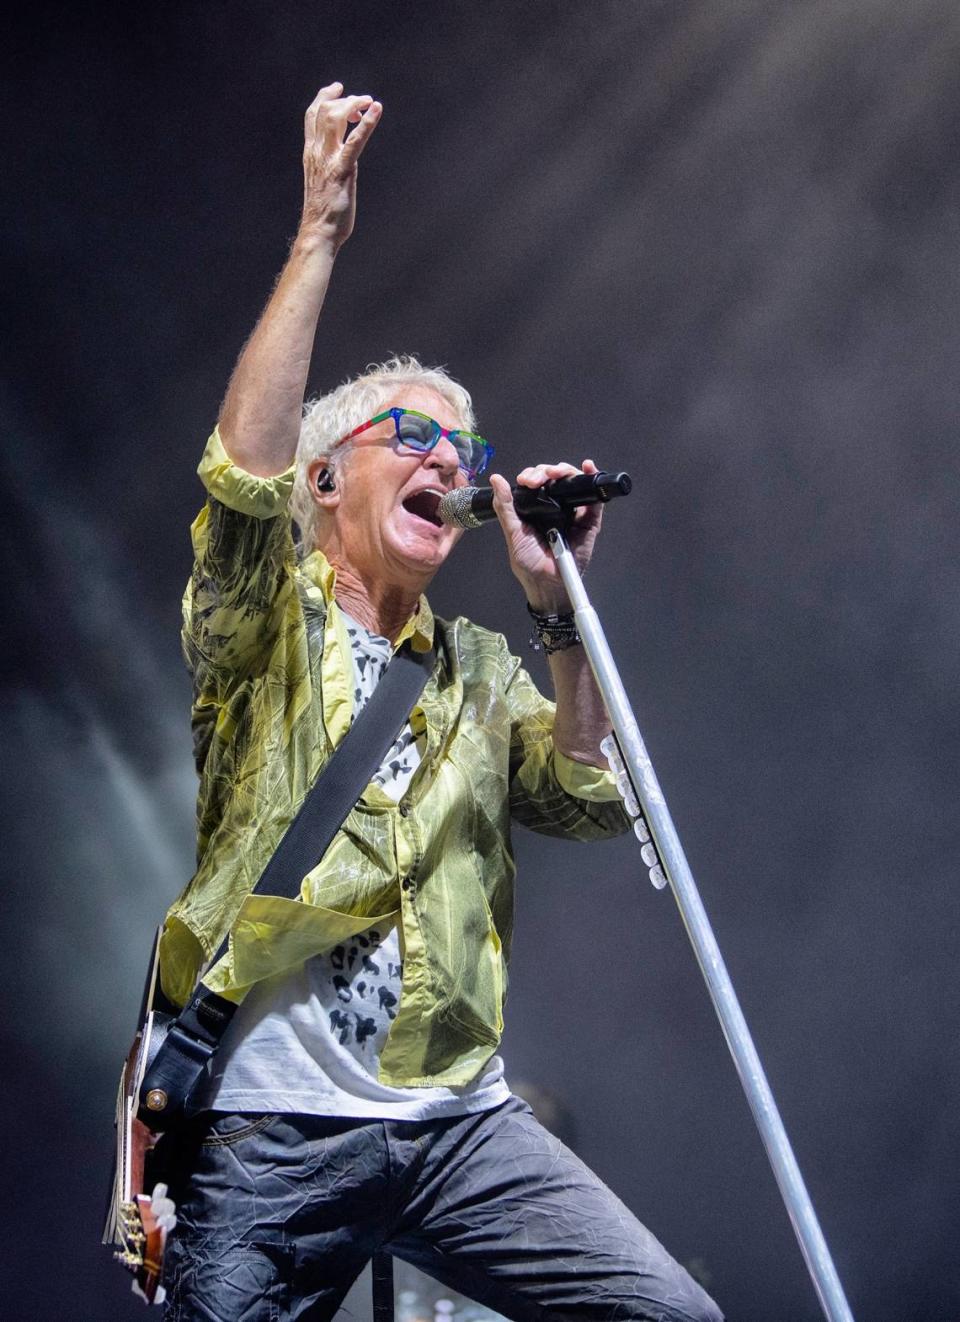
{"type": "Point", "coordinates": [329, 417]}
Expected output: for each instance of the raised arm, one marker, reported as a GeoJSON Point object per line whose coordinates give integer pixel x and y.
{"type": "Point", "coordinates": [260, 418]}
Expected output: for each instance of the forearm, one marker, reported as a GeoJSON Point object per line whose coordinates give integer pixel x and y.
{"type": "Point", "coordinates": [581, 721]}
{"type": "Point", "coordinates": [260, 417]}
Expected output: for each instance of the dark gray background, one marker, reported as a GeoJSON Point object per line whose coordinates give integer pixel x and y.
{"type": "Point", "coordinates": [712, 243]}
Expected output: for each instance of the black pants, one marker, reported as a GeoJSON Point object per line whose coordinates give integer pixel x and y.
{"type": "Point", "coordinates": [279, 1214]}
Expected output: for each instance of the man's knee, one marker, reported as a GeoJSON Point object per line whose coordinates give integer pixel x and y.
{"type": "Point", "coordinates": [708, 1313]}
{"type": "Point", "coordinates": [696, 1306]}
{"type": "Point", "coordinates": [668, 1294]}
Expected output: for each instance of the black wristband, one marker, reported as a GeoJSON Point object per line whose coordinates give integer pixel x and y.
{"type": "Point", "coordinates": [554, 633]}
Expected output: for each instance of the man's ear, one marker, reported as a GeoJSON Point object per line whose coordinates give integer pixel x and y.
{"type": "Point", "coordinates": [322, 484]}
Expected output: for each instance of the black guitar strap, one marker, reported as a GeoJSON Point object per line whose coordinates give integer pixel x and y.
{"type": "Point", "coordinates": [194, 1035]}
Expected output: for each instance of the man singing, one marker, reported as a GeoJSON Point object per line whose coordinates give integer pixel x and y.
{"type": "Point", "coordinates": [357, 1100]}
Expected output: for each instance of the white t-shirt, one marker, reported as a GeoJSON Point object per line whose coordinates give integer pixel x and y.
{"type": "Point", "coordinates": [310, 1040]}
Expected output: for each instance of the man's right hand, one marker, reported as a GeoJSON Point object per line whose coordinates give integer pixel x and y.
{"type": "Point", "coordinates": [330, 155]}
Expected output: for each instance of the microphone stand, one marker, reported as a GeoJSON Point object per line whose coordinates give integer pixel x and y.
{"type": "Point", "coordinates": [663, 854]}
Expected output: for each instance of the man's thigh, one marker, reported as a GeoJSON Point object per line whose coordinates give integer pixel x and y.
{"type": "Point", "coordinates": [276, 1216]}
{"type": "Point", "coordinates": [507, 1214]}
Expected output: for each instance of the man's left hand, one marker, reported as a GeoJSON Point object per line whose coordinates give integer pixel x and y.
{"type": "Point", "coordinates": [531, 559]}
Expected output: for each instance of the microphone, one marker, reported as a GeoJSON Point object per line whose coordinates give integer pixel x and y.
{"type": "Point", "coordinates": [549, 505]}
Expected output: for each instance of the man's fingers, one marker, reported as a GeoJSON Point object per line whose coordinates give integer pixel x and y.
{"type": "Point", "coordinates": [328, 93]}
{"type": "Point", "coordinates": [588, 516]}
{"type": "Point", "coordinates": [360, 136]}
{"type": "Point", "coordinates": [334, 117]}
{"type": "Point", "coordinates": [503, 503]}
{"type": "Point", "coordinates": [538, 474]}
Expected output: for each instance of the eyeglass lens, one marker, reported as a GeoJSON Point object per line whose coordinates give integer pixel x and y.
{"type": "Point", "coordinates": [422, 433]}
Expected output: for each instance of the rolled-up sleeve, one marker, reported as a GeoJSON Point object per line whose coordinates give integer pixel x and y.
{"type": "Point", "coordinates": [595, 784]}
{"type": "Point", "coordinates": [549, 792]}
{"type": "Point", "coordinates": [243, 550]}
{"type": "Point", "coordinates": [260, 497]}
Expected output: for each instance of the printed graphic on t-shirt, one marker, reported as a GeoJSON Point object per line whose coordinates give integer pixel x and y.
{"type": "Point", "coordinates": [371, 656]}
{"type": "Point", "coordinates": [359, 981]}
{"type": "Point", "coordinates": [366, 982]}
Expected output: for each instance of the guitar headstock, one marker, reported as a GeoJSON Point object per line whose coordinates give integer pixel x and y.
{"type": "Point", "coordinates": [142, 1240]}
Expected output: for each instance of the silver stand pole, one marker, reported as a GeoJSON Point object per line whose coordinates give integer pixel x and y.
{"type": "Point", "coordinates": [663, 854]}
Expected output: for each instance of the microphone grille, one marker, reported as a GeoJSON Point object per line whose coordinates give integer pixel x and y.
{"type": "Point", "coordinates": [455, 508]}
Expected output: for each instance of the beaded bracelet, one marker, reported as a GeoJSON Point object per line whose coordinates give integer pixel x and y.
{"type": "Point", "coordinates": [554, 633]}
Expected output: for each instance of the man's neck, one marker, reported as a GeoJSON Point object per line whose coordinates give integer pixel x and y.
{"type": "Point", "coordinates": [382, 609]}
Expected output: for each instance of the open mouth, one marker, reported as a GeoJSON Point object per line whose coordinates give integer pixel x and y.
{"type": "Point", "coordinates": [424, 505]}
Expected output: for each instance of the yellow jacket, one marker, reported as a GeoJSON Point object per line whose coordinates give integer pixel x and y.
{"type": "Point", "coordinates": [271, 666]}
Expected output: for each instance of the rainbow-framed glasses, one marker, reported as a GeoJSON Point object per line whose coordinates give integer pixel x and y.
{"type": "Point", "coordinates": [420, 433]}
